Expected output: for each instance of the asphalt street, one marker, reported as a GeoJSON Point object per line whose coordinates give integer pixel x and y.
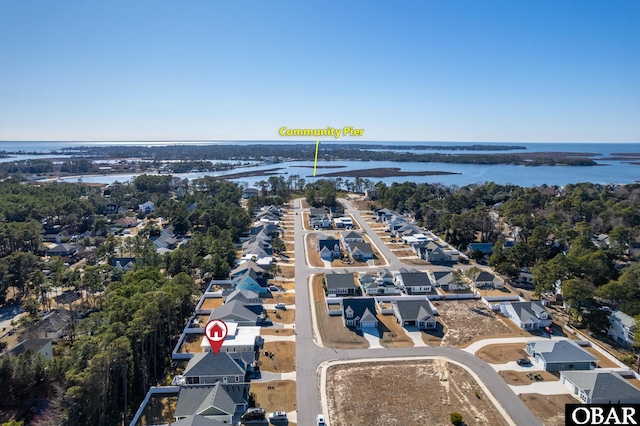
{"type": "Point", "coordinates": [310, 356]}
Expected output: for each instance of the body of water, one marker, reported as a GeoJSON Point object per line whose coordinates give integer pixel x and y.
{"type": "Point", "coordinates": [606, 172]}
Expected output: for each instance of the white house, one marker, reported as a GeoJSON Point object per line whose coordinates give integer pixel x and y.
{"type": "Point", "coordinates": [239, 339]}
{"type": "Point", "coordinates": [148, 207]}
{"type": "Point", "coordinates": [527, 315]}
{"type": "Point", "coordinates": [622, 328]}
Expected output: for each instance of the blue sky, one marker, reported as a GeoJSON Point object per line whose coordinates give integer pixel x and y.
{"type": "Point", "coordinates": [539, 71]}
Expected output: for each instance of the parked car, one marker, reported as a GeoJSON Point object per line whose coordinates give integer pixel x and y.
{"type": "Point", "coordinates": [281, 306]}
{"type": "Point", "coordinates": [254, 414]}
{"type": "Point", "coordinates": [523, 361]}
{"type": "Point", "coordinates": [278, 415]}
{"type": "Point", "coordinates": [273, 288]}
{"type": "Point", "coordinates": [321, 421]}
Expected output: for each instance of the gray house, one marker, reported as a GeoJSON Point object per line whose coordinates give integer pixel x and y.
{"type": "Point", "coordinates": [416, 313]}
{"type": "Point", "coordinates": [557, 355]}
{"type": "Point", "coordinates": [600, 387]}
{"type": "Point", "coordinates": [412, 281]}
{"type": "Point", "coordinates": [527, 315]}
{"type": "Point", "coordinates": [226, 367]}
{"type": "Point", "coordinates": [218, 402]}
{"type": "Point", "coordinates": [340, 284]}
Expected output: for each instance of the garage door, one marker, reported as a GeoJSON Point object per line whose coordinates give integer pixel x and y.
{"type": "Point", "coordinates": [368, 324]}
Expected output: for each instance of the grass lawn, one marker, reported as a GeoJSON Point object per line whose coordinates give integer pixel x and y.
{"type": "Point", "coordinates": [211, 303]}
{"type": "Point", "coordinates": [286, 317]}
{"type": "Point", "coordinates": [276, 331]}
{"type": "Point", "coordinates": [159, 410]}
{"type": "Point", "coordinates": [332, 331]}
{"type": "Point", "coordinates": [393, 335]}
{"type": "Point", "coordinates": [500, 354]}
{"type": "Point", "coordinates": [282, 396]}
{"type": "Point", "coordinates": [191, 344]}
{"type": "Point", "coordinates": [286, 298]}
{"type": "Point", "coordinates": [520, 378]}
{"type": "Point", "coordinates": [284, 358]}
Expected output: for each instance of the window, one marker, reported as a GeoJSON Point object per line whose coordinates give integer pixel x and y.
{"type": "Point", "coordinates": [237, 379]}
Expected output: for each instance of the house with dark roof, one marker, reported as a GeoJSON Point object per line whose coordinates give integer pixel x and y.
{"type": "Point", "coordinates": [225, 367]}
{"type": "Point", "coordinates": [220, 402]}
{"type": "Point", "coordinates": [359, 312]}
{"type": "Point", "coordinates": [412, 281]}
{"type": "Point", "coordinates": [237, 311]}
{"type": "Point", "coordinates": [360, 251]}
{"type": "Point", "coordinates": [600, 387]}
{"type": "Point", "coordinates": [40, 346]}
{"type": "Point", "coordinates": [527, 315]}
{"type": "Point", "coordinates": [329, 249]}
{"type": "Point", "coordinates": [340, 284]}
{"type": "Point", "coordinates": [417, 313]}
{"type": "Point", "coordinates": [165, 240]}
{"type": "Point", "coordinates": [557, 355]}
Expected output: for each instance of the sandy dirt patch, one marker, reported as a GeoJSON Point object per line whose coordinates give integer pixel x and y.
{"type": "Point", "coordinates": [286, 298]}
{"type": "Point", "coordinates": [548, 408]}
{"type": "Point", "coordinates": [469, 319]}
{"type": "Point", "coordinates": [451, 389]}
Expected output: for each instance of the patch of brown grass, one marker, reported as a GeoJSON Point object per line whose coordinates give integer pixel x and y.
{"type": "Point", "coordinates": [286, 298]}
{"type": "Point", "coordinates": [603, 361]}
{"type": "Point", "coordinates": [288, 271]}
{"type": "Point", "coordinates": [211, 303]}
{"type": "Point", "coordinates": [499, 354]}
{"type": "Point", "coordinates": [520, 378]}
{"type": "Point", "coordinates": [159, 410]}
{"type": "Point", "coordinates": [332, 331]}
{"type": "Point", "coordinates": [285, 317]}
{"type": "Point", "coordinates": [284, 358]}
{"type": "Point", "coordinates": [392, 334]}
{"type": "Point", "coordinates": [276, 331]}
{"type": "Point", "coordinates": [281, 398]}
{"type": "Point", "coordinates": [191, 344]}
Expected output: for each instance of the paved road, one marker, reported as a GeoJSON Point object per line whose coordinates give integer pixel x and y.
{"type": "Point", "coordinates": [309, 355]}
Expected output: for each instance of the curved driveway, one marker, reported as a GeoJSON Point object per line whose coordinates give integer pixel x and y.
{"type": "Point", "coordinates": [310, 356]}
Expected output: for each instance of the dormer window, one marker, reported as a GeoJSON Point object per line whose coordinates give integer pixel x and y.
{"type": "Point", "coordinates": [349, 312]}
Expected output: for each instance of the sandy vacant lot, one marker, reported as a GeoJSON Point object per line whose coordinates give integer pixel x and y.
{"type": "Point", "coordinates": [279, 395]}
{"type": "Point", "coordinates": [500, 354]}
{"type": "Point", "coordinates": [548, 408]}
{"type": "Point", "coordinates": [466, 320]}
{"type": "Point", "coordinates": [284, 358]}
{"type": "Point", "coordinates": [377, 394]}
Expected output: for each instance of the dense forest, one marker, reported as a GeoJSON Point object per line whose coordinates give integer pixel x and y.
{"type": "Point", "coordinates": [124, 325]}
{"type": "Point", "coordinates": [555, 231]}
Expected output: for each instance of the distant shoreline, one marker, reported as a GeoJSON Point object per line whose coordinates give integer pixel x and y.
{"type": "Point", "coordinates": [384, 172]}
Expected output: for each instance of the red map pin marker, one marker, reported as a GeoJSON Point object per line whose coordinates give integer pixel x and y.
{"type": "Point", "coordinates": [216, 331]}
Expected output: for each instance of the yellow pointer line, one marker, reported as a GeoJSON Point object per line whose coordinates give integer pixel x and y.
{"type": "Point", "coordinates": [315, 161]}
